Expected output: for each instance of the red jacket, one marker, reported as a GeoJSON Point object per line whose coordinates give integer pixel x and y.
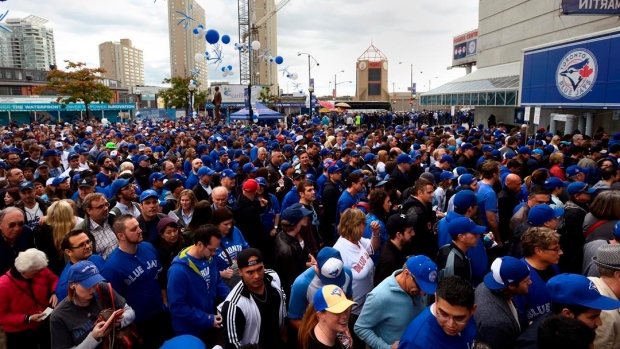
{"type": "Point", "coordinates": [15, 304]}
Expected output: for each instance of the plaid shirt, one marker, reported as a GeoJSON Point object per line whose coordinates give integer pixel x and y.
{"type": "Point", "coordinates": [105, 237]}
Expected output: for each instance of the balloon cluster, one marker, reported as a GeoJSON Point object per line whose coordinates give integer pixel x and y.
{"type": "Point", "coordinates": [227, 71]}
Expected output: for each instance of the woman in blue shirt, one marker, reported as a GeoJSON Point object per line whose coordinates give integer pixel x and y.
{"type": "Point", "coordinates": [231, 244]}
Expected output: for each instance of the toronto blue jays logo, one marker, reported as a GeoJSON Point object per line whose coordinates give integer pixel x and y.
{"type": "Point", "coordinates": [576, 73]}
{"type": "Point", "coordinates": [337, 291]}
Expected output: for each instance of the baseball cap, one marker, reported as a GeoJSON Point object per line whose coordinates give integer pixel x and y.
{"type": "Point", "coordinates": [143, 158]}
{"type": "Point", "coordinates": [486, 148]}
{"type": "Point", "coordinates": [370, 156]}
{"type": "Point", "coordinates": [285, 166]}
{"type": "Point", "coordinates": [58, 145]}
{"type": "Point", "coordinates": [205, 171]}
{"type": "Point", "coordinates": [110, 145]}
{"type": "Point", "coordinates": [447, 158]}
{"type": "Point", "coordinates": [398, 222]}
{"type": "Point", "coordinates": [149, 193]}
{"type": "Point", "coordinates": [58, 180]}
{"type": "Point", "coordinates": [118, 184]}
{"type": "Point", "coordinates": [524, 150]}
{"type": "Point", "coordinates": [26, 185]}
{"type": "Point", "coordinates": [466, 179]}
{"type": "Point", "coordinates": [354, 153]}
{"type": "Point", "coordinates": [84, 273]}
{"type": "Point", "coordinates": [73, 155]}
{"type": "Point", "coordinates": [404, 159]}
{"type": "Point", "coordinates": [579, 187]}
{"type": "Point", "coordinates": [173, 183]}
{"type": "Point", "coordinates": [333, 169]}
{"type": "Point", "coordinates": [227, 174]}
{"type": "Point", "coordinates": [462, 225]}
{"type": "Point", "coordinates": [616, 231]}
{"type": "Point", "coordinates": [249, 168]}
{"type": "Point", "coordinates": [574, 170]}
{"type": "Point", "coordinates": [425, 272]}
{"type": "Point", "coordinates": [574, 289]}
{"type": "Point", "coordinates": [156, 176]}
{"type": "Point", "coordinates": [50, 152]}
{"type": "Point", "coordinates": [164, 222]}
{"type": "Point", "coordinates": [506, 271]}
{"type": "Point", "coordinates": [466, 146]}
{"type": "Point", "coordinates": [538, 152]}
{"type": "Point", "coordinates": [446, 175]}
{"type": "Point", "coordinates": [331, 268]}
{"type": "Point", "coordinates": [554, 182]}
{"type": "Point", "coordinates": [298, 173]}
{"type": "Point", "coordinates": [332, 299]}
{"type": "Point", "coordinates": [464, 199]}
{"type": "Point", "coordinates": [542, 213]}
{"type": "Point", "coordinates": [261, 181]}
{"type": "Point", "coordinates": [250, 185]}
{"type": "Point", "coordinates": [86, 182]}
{"type": "Point", "coordinates": [244, 256]}
{"type": "Point", "coordinates": [294, 213]}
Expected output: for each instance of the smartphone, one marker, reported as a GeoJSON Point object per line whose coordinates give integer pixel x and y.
{"type": "Point", "coordinates": [47, 313]}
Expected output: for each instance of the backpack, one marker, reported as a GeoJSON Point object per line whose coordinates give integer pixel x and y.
{"type": "Point", "coordinates": [123, 338]}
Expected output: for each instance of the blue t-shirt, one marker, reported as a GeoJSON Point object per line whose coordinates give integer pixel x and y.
{"type": "Point", "coordinates": [346, 201]}
{"type": "Point", "coordinates": [135, 278]}
{"type": "Point", "coordinates": [537, 301]}
{"type": "Point", "coordinates": [424, 332]}
{"type": "Point", "coordinates": [304, 288]}
{"type": "Point", "coordinates": [487, 201]}
{"type": "Point", "coordinates": [233, 243]}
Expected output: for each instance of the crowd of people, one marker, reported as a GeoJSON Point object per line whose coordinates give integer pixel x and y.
{"type": "Point", "coordinates": [313, 235]}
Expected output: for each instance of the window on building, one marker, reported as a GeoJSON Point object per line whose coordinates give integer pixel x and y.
{"type": "Point", "coordinates": [374, 74]}
{"type": "Point", "coordinates": [374, 89]}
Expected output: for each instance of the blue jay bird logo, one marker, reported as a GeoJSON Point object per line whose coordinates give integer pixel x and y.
{"type": "Point", "coordinates": [576, 74]}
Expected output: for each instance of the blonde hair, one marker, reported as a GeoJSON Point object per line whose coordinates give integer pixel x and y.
{"type": "Point", "coordinates": [349, 227]}
{"type": "Point", "coordinates": [556, 158]}
{"type": "Point", "coordinates": [191, 195]}
{"type": "Point", "coordinates": [383, 156]}
{"type": "Point", "coordinates": [60, 216]}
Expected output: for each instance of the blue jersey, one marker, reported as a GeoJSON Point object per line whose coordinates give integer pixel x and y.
{"type": "Point", "coordinates": [345, 201]}
{"type": "Point", "coordinates": [424, 332]}
{"type": "Point", "coordinates": [135, 278]}
{"type": "Point", "coordinates": [537, 301]}
{"type": "Point", "coordinates": [487, 201]}
{"type": "Point", "coordinates": [233, 242]}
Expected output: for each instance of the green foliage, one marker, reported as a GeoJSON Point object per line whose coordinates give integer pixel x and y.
{"type": "Point", "coordinates": [178, 94]}
{"type": "Point", "coordinates": [77, 84]}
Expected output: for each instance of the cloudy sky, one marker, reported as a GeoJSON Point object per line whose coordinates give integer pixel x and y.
{"type": "Point", "coordinates": [335, 32]}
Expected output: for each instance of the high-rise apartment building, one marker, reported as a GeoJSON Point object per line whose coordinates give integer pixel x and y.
{"type": "Point", "coordinates": [184, 44]}
{"type": "Point", "coordinates": [268, 37]}
{"type": "Point", "coordinates": [29, 45]}
{"type": "Point", "coordinates": [122, 62]}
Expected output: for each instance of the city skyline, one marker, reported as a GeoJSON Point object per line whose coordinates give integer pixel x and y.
{"type": "Point", "coordinates": [418, 34]}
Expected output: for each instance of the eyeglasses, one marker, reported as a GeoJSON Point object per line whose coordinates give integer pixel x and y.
{"type": "Point", "coordinates": [100, 207]}
{"type": "Point", "coordinates": [556, 250]}
{"type": "Point", "coordinates": [83, 245]}
{"type": "Point", "coordinates": [458, 320]}
{"type": "Point", "coordinates": [16, 224]}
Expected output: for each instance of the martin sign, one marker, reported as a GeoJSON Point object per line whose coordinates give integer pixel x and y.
{"type": "Point", "coordinates": [591, 7]}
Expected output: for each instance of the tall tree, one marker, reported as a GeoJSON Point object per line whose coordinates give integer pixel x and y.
{"type": "Point", "coordinates": [77, 84]}
{"type": "Point", "coordinates": [177, 96]}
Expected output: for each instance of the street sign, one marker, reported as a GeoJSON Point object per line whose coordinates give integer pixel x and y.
{"type": "Point", "coordinates": [526, 117]}
{"type": "Point", "coordinates": [537, 115]}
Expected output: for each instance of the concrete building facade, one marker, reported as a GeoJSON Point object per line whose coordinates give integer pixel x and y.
{"type": "Point", "coordinates": [268, 37]}
{"type": "Point", "coordinates": [122, 62]}
{"type": "Point", "coordinates": [184, 44]}
{"type": "Point", "coordinates": [29, 45]}
{"type": "Point", "coordinates": [371, 79]}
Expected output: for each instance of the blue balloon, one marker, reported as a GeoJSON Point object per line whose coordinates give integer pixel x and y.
{"type": "Point", "coordinates": [225, 39]}
{"type": "Point", "coordinates": [223, 69]}
{"type": "Point", "coordinates": [195, 31]}
{"type": "Point", "coordinates": [229, 67]}
{"type": "Point", "coordinates": [212, 36]}
{"type": "Point", "coordinates": [279, 60]}
{"type": "Point", "coordinates": [201, 26]}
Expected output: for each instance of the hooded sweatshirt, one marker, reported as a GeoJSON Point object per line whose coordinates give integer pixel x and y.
{"type": "Point", "coordinates": [194, 285]}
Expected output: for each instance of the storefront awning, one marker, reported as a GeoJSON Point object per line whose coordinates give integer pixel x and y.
{"type": "Point", "coordinates": [495, 78]}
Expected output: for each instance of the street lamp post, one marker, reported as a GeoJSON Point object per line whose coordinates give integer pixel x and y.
{"type": "Point", "coordinates": [137, 93]}
{"type": "Point", "coordinates": [309, 72]}
{"type": "Point", "coordinates": [191, 87]}
{"type": "Point", "coordinates": [336, 84]}
{"type": "Point", "coordinates": [310, 90]}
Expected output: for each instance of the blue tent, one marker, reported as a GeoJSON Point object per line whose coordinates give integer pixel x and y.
{"type": "Point", "coordinates": [261, 110]}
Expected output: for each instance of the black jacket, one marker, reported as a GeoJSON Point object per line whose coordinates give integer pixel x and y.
{"type": "Point", "coordinates": [390, 260]}
{"type": "Point", "coordinates": [142, 177]}
{"type": "Point", "coordinates": [403, 180]}
{"type": "Point", "coordinates": [247, 213]}
{"type": "Point", "coordinates": [8, 253]}
{"type": "Point", "coordinates": [330, 196]}
{"type": "Point", "coordinates": [425, 240]}
{"type": "Point", "coordinates": [572, 237]}
{"type": "Point", "coordinates": [201, 193]}
{"type": "Point", "coordinates": [507, 200]}
{"type": "Point", "coordinates": [290, 260]}
{"type": "Point", "coordinates": [461, 266]}
{"type": "Point", "coordinates": [273, 178]}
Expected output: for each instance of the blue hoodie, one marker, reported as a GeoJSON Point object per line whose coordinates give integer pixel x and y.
{"type": "Point", "coordinates": [194, 286]}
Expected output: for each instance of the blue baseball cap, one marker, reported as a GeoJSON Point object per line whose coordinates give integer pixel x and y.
{"type": "Point", "coordinates": [463, 225]}
{"type": "Point", "coordinates": [575, 170]}
{"type": "Point", "coordinates": [369, 157]}
{"type": "Point", "coordinates": [73, 155]}
{"type": "Point", "coordinates": [466, 146]}
{"type": "Point", "coordinates": [227, 174]}
{"type": "Point", "coordinates": [459, 170]}
{"type": "Point", "coordinates": [50, 152]}
{"type": "Point", "coordinates": [118, 184]}
{"type": "Point", "coordinates": [542, 213]}
{"type": "Point", "coordinates": [333, 169]}
{"type": "Point", "coordinates": [506, 271]}
{"type": "Point", "coordinates": [205, 171]}
{"type": "Point", "coordinates": [425, 272]}
{"type": "Point", "coordinates": [143, 158]}
{"type": "Point", "coordinates": [538, 152]}
{"type": "Point", "coordinates": [404, 159]}
{"type": "Point", "coordinates": [285, 166]}
{"type": "Point", "coordinates": [553, 183]}
{"type": "Point", "coordinates": [354, 153]}
{"type": "Point", "coordinates": [149, 193]}
{"type": "Point", "coordinates": [465, 199]}
{"type": "Point", "coordinates": [249, 168]}
{"type": "Point", "coordinates": [524, 150]}
{"type": "Point", "coordinates": [575, 289]}
{"type": "Point", "coordinates": [261, 181]}
{"type": "Point", "coordinates": [58, 180]}
{"type": "Point", "coordinates": [295, 213]}
{"type": "Point", "coordinates": [331, 268]}
{"type": "Point", "coordinates": [447, 158]}
{"type": "Point", "coordinates": [84, 273]}
{"type": "Point", "coordinates": [579, 187]}
{"type": "Point", "coordinates": [487, 148]}
{"type": "Point", "coordinates": [466, 179]}
{"type": "Point", "coordinates": [446, 175]}
{"type": "Point", "coordinates": [156, 176]}
{"type": "Point", "coordinates": [26, 185]}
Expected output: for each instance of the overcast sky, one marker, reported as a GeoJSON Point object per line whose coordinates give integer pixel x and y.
{"type": "Point", "coordinates": [335, 32]}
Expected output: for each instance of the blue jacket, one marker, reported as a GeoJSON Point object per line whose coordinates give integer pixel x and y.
{"type": "Point", "coordinates": [386, 313]}
{"type": "Point", "coordinates": [191, 181]}
{"type": "Point", "coordinates": [268, 217]}
{"type": "Point", "coordinates": [62, 287]}
{"type": "Point", "coordinates": [320, 184]}
{"type": "Point", "coordinates": [292, 197]}
{"type": "Point", "coordinates": [135, 278]}
{"type": "Point", "coordinates": [194, 287]}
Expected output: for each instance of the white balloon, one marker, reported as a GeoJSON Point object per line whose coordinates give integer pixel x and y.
{"type": "Point", "coordinates": [294, 76]}
{"type": "Point", "coordinates": [198, 57]}
{"type": "Point", "coordinates": [255, 45]}
{"type": "Point", "coordinates": [231, 73]}
{"type": "Point", "coordinates": [224, 74]}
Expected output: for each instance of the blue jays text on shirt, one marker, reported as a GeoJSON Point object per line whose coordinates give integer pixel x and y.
{"type": "Point", "coordinates": [136, 273]}
{"type": "Point", "coordinates": [538, 310]}
{"type": "Point", "coordinates": [232, 252]}
{"type": "Point", "coordinates": [205, 273]}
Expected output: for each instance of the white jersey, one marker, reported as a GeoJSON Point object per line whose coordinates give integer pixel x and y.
{"type": "Point", "coordinates": [357, 257]}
